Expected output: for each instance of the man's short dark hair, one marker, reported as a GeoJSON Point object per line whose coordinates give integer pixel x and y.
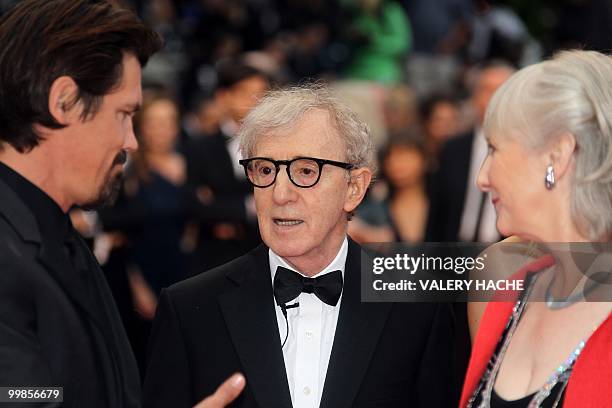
{"type": "Point", "coordinates": [42, 40]}
{"type": "Point", "coordinates": [232, 71]}
{"type": "Point", "coordinates": [428, 105]}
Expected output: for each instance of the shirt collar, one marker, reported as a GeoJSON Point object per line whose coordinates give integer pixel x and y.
{"type": "Point", "coordinates": [338, 263]}
{"type": "Point", "coordinates": [52, 222]}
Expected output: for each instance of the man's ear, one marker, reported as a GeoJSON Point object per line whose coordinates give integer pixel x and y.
{"type": "Point", "coordinates": [62, 100]}
{"type": "Point", "coordinates": [358, 185]}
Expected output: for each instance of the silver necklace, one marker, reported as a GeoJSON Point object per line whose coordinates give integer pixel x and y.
{"type": "Point", "coordinates": [557, 304]}
{"type": "Point", "coordinates": [560, 375]}
{"type": "Point", "coordinates": [517, 311]}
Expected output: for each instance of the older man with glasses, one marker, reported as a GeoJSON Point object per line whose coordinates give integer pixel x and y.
{"type": "Point", "coordinates": [288, 315]}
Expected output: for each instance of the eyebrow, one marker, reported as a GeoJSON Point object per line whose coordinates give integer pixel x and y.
{"type": "Point", "coordinates": [133, 107]}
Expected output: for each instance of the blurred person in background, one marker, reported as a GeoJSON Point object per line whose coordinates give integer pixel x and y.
{"type": "Point", "coordinates": [167, 67]}
{"type": "Point", "coordinates": [401, 215]}
{"type": "Point", "coordinates": [380, 37]}
{"type": "Point", "coordinates": [549, 172]}
{"type": "Point", "coordinates": [155, 190]}
{"type": "Point", "coordinates": [497, 32]}
{"type": "Point", "coordinates": [459, 212]}
{"type": "Point", "coordinates": [307, 54]}
{"type": "Point", "coordinates": [222, 199]}
{"type": "Point", "coordinates": [440, 116]}
{"type": "Point", "coordinates": [439, 29]}
{"type": "Point", "coordinates": [400, 109]}
{"type": "Point", "coordinates": [202, 120]}
{"type": "Point", "coordinates": [145, 231]}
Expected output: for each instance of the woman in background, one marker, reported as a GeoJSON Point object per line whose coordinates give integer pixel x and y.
{"type": "Point", "coordinates": [440, 115]}
{"type": "Point", "coordinates": [549, 174]}
{"type": "Point", "coordinates": [154, 191]}
{"type": "Point", "coordinates": [402, 214]}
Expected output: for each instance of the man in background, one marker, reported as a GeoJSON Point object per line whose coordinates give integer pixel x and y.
{"type": "Point", "coordinates": [459, 211]}
{"type": "Point", "coordinates": [223, 199]}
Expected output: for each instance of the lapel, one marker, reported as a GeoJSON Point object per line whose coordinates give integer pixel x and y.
{"type": "Point", "coordinates": [359, 327]}
{"type": "Point", "coordinates": [21, 218]}
{"type": "Point", "coordinates": [63, 271]}
{"type": "Point", "coordinates": [251, 320]}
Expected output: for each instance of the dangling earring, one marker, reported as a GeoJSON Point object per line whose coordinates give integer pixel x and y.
{"type": "Point", "coordinates": [549, 180]}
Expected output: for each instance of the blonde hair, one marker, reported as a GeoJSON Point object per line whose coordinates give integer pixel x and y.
{"type": "Point", "coordinates": [569, 93]}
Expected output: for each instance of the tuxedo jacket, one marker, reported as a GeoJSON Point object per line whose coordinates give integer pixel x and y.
{"type": "Point", "coordinates": [448, 190]}
{"type": "Point", "coordinates": [51, 333]}
{"type": "Point", "coordinates": [223, 321]}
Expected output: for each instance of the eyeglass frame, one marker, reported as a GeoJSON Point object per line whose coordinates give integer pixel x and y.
{"type": "Point", "coordinates": [287, 163]}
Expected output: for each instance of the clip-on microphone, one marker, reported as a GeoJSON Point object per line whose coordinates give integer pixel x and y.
{"type": "Point", "coordinates": [284, 308]}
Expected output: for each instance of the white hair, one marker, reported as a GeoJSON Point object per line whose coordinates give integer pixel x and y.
{"type": "Point", "coordinates": [570, 93]}
{"type": "Point", "coordinates": [283, 109]}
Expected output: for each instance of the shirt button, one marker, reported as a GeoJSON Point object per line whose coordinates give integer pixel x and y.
{"type": "Point", "coordinates": [306, 391]}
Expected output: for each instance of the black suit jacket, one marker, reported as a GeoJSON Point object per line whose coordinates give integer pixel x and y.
{"type": "Point", "coordinates": [447, 201]}
{"type": "Point", "coordinates": [223, 321]}
{"type": "Point", "coordinates": [50, 332]}
{"type": "Point", "coordinates": [448, 189]}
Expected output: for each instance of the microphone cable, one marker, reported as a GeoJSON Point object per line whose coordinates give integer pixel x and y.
{"type": "Point", "coordinates": [284, 308]}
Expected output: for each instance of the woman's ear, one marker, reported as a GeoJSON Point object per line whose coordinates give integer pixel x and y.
{"type": "Point", "coordinates": [358, 185]}
{"type": "Point", "coordinates": [562, 154]}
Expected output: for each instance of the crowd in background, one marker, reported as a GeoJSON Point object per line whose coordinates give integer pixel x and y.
{"type": "Point", "coordinates": [420, 72]}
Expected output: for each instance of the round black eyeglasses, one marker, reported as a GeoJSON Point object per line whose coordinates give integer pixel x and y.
{"type": "Point", "coordinates": [303, 172]}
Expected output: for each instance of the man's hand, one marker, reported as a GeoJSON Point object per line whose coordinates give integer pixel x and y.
{"type": "Point", "coordinates": [225, 394]}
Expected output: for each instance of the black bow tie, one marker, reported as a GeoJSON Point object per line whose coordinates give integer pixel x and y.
{"type": "Point", "coordinates": [288, 285]}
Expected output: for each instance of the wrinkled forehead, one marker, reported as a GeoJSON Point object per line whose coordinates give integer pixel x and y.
{"type": "Point", "coordinates": [312, 135]}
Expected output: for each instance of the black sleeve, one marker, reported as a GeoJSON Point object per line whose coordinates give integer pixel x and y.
{"type": "Point", "coordinates": [22, 358]}
{"type": "Point", "coordinates": [167, 379]}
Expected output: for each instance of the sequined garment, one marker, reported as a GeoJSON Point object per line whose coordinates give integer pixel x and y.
{"type": "Point", "coordinates": [551, 393]}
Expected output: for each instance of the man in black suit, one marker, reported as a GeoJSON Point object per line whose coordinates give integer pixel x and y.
{"type": "Point", "coordinates": [288, 315]}
{"type": "Point", "coordinates": [458, 210]}
{"type": "Point", "coordinates": [222, 197]}
{"type": "Point", "coordinates": [70, 74]}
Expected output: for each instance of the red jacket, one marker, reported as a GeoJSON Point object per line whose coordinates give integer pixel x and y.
{"type": "Point", "coordinates": [590, 384]}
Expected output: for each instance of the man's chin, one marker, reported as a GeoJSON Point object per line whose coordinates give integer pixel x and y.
{"type": "Point", "coordinates": [107, 195]}
{"type": "Point", "coordinates": [286, 249]}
